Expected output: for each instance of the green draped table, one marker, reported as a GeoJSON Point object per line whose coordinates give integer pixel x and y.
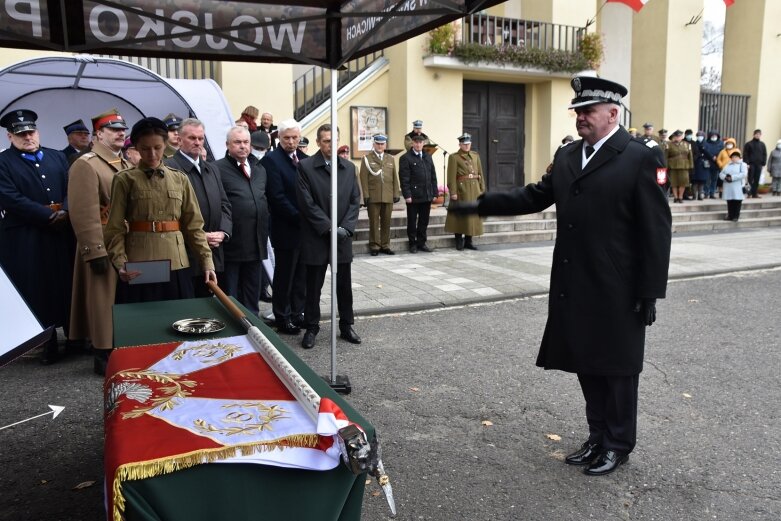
{"type": "Point", "coordinates": [234, 491]}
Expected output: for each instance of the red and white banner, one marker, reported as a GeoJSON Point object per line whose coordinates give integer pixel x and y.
{"type": "Point", "coordinates": [176, 405]}
{"type": "Point", "coordinates": [634, 4]}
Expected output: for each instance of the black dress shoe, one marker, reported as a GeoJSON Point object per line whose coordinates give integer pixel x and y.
{"type": "Point", "coordinates": [349, 334]}
{"type": "Point", "coordinates": [288, 328]}
{"type": "Point", "coordinates": [387, 251]}
{"type": "Point", "coordinates": [298, 321]}
{"type": "Point", "coordinates": [51, 352]}
{"type": "Point", "coordinates": [308, 342]}
{"type": "Point", "coordinates": [374, 253]}
{"type": "Point", "coordinates": [606, 462]}
{"type": "Point", "coordinates": [413, 248]}
{"type": "Point", "coordinates": [425, 248]}
{"type": "Point", "coordinates": [585, 455]}
{"type": "Point", "coordinates": [470, 246]}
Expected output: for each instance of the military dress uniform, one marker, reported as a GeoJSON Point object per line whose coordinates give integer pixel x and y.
{"type": "Point", "coordinates": [89, 184]}
{"type": "Point", "coordinates": [162, 215]}
{"type": "Point", "coordinates": [679, 162]}
{"type": "Point", "coordinates": [465, 180]}
{"type": "Point", "coordinates": [173, 123]}
{"type": "Point", "coordinates": [380, 186]}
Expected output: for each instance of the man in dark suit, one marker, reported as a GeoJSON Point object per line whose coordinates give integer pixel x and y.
{"type": "Point", "coordinates": [314, 204]}
{"type": "Point", "coordinates": [418, 180]}
{"type": "Point", "coordinates": [609, 265]}
{"type": "Point", "coordinates": [212, 200]}
{"type": "Point", "coordinates": [289, 284]}
{"type": "Point", "coordinates": [78, 138]}
{"type": "Point", "coordinates": [245, 185]}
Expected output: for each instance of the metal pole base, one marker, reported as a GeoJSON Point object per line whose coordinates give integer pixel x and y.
{"type": "Point", "coordinates": [341, 385]}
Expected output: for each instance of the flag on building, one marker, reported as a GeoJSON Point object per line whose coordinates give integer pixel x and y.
{"type": "Point", "coordinates": [729, 2]}
{"type": "Point", "coordinates": [176, 405]}
{"type": "Point", "coordinates": [634, 4]}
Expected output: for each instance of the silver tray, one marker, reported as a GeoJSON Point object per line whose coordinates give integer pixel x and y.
{"type": "Point", "coordinates": [198, 326]}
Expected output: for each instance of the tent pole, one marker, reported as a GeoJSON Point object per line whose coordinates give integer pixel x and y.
{"type": "Point", "coordinates": [334, 223]}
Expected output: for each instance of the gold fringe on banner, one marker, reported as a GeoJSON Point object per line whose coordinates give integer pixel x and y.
{"type": "Point", "coordinates": [162, 466]}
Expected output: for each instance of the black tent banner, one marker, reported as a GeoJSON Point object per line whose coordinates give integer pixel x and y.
{"type": "Point", "coordinates": [327, 33]}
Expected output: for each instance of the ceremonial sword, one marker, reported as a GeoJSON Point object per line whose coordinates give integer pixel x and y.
{"type": "Point", "coordinates": [358, 453]}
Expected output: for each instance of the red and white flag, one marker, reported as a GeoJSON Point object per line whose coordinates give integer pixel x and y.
{"type": "Point", "coordinates": [729, 2]}
{"type": "Point", "coordinates": [172, 406]}
{"type": "Point", "coordinates": [634, 4]}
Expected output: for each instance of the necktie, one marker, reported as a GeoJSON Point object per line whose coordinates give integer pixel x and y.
{"type": "Point", "coordinates": [244, 169]}
{"type": "Point", "coordinates": [294, 158]}
{"type": "Point", "coordinates": [589, 151]}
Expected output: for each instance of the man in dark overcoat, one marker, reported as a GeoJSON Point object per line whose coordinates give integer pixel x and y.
{"type": "Point", "coordinates": [212, 199]}
{"type": "Point", "coordinates": [314, 204]}
{"type": "Point", "coordinates": [418, 179]}
{"type": "Point", "coordinates": [289, 284]}
{"type": "Point", "coordinates": [37, 245]}
{"type": "Point", "coordinates": [610, 265]}
{"type": "Point", "coordinates": [244, 182]}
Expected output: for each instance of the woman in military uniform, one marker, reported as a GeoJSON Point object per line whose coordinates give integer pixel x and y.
{"type": "Point", "coordinates": [159, 205]}
{"type": "Point", "coordinates": [465, 183]}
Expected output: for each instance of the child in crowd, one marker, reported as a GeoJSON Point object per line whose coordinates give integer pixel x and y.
{"type": "Point", "coordinates": [732, 175]}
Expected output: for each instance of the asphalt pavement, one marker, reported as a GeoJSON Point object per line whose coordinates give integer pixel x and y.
{"type": "Point", "coordinates": [471, 429]}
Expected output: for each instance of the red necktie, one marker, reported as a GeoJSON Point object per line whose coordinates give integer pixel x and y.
{"type": "Point", "coordinates": [244, 169]}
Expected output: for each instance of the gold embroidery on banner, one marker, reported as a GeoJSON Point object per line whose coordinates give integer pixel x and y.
{"type": "Point", "coordinates": [207, 352]}
{"type": "Point", "coordinates": [175, 388]}
{"type": "Point", "coordinates": [247, 422]}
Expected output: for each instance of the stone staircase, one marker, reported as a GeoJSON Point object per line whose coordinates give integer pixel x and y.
{"type": "Point", "coordinates": [691, 216]}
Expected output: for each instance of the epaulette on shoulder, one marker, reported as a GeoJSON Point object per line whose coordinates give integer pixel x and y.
{"type": "Point", "coordinates": [649, 143]}
{"type": "Point", "coordinates": [88, 155]}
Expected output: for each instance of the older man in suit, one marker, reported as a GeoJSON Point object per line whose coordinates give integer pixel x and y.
{"type": "Point", "coordinates": [418, 179]}
{"type": "Point", "coordinates": [245, 185]}
{"type": "Point", "coordinates": [289, 284]}
{"type": "Point", "coordinates": [212, 200]}
{"type": "Point", "coordinates": [314, 204]}
{"type": "Point", "coordinates": [609, 265]}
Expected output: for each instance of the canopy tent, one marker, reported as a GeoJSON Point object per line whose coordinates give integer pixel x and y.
{"type": "Point", "coordinates": [327, 33]}
{"type": "Point", "coordinates": [63, 89]}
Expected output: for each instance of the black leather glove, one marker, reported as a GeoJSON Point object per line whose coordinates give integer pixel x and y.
{"type": "Point", "coordinates": [342, 233]}
{"type": "Point", "coordinates": [647, 309]}
{"type": "Point", "coordinates": [58, 219]}
{"type": "Point", "coordinates": [396, 199]}
{"type": "Point", "coordinates": [98, 265]}
{"type": "Point", "coordinates": [467, 208]}
{"type": "Point", "coordinates": [366, 201]}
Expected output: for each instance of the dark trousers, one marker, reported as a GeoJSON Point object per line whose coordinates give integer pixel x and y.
{"type": "Point", "coordinates": [242, 281]}
{"type": "Point", "coordinates": [315, 276]}
{"type": "Point", "coordinates": [417, 222]}
{"type": "Point", "coordinates": [289, 285]}
{"type": "Point", "coordinates": [754, 173]}
{"type": "Point", "coordinates": [733, 208]}
{"type": "Point", "coordinates": [611, 410]}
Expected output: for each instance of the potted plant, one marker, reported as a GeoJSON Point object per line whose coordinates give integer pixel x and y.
{"type": "Point", "coordinates": [443, 194]}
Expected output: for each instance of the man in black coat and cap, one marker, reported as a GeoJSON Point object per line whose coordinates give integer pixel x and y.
{"type": "Point", "coordinates": [313, 192]}
{"type": "Point", "coordinates": [609, 265]}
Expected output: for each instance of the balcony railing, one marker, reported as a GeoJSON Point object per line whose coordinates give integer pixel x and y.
{"type": "Point", "coordinates": [313, 88]}
{"type": "Point", "coordinates": [175, 68]}
{"type": "Point", "coordinates": [501, 32]}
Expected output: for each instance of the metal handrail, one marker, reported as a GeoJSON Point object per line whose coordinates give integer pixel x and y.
{"type": "Point", "coordinates": [502, 32]}
{"type": "Point", "coordinates": [313, 88]}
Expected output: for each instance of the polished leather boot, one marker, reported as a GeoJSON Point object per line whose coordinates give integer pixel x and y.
{"type": "Point", "coordinates": [585, 455]}
{"type": "Point", "coordinates": [459, 242]}
{"type": "Point", "coordinates": [51, 351]}
{"type": "Point", "coordinates": [468, 243]}
{"type": "Point", "coordinates": [607, 462]}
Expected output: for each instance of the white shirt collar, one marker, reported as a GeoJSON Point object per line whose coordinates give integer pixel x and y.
{"type": "Point", "coordinates": [196, 162]}
{"type": "Point", "coordinates": [596, 146]}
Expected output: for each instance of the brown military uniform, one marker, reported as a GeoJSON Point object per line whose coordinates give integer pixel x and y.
{"type": "Point", "coordinates": [380, 185]}
{"type": "Point", "coordinates": [679, 162]}
{"type": "Point", "coordinates": [465, 179]}
{"type": "Point", "coordinates": [164, 196]}
{"type": "Point", "coordinates": [89, 192]}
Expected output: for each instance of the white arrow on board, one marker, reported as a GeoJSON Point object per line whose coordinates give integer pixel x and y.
{"type": "Point", "coordinates": [56, 409]}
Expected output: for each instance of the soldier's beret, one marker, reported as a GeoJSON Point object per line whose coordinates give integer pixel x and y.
{"type": "Point", "coordinates": [109, 119]}
{"type": "Point", "coordinates": [20, 120]}
{"type": "Point", "coordinates": [590, 91]}
{"type": "Point", "coordinates": [146, 124]}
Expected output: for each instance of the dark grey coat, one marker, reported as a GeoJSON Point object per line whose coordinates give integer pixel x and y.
{"type": "Point", "coordinates": [612, 248]}
{"type": "Point", "coordinates": [249, 210]}
{"type": "Point", "coordinates": [212, 201]}
{"type": "Point", "coordinates": [417, 177]}
{"type": "Point", "coordinates": [314, 205]}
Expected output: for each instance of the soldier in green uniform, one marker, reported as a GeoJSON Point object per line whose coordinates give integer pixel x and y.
{"type": "Point", "coordinates": [380, 187]}
{"type": "Point", "coordinates": [679, 161]}
{"type": "Point", "coordinates": [417, 130]}
{"type": "Point", "coordinates": [465, 183]}
{"type": "Point", "coordinates": [173, 122]}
